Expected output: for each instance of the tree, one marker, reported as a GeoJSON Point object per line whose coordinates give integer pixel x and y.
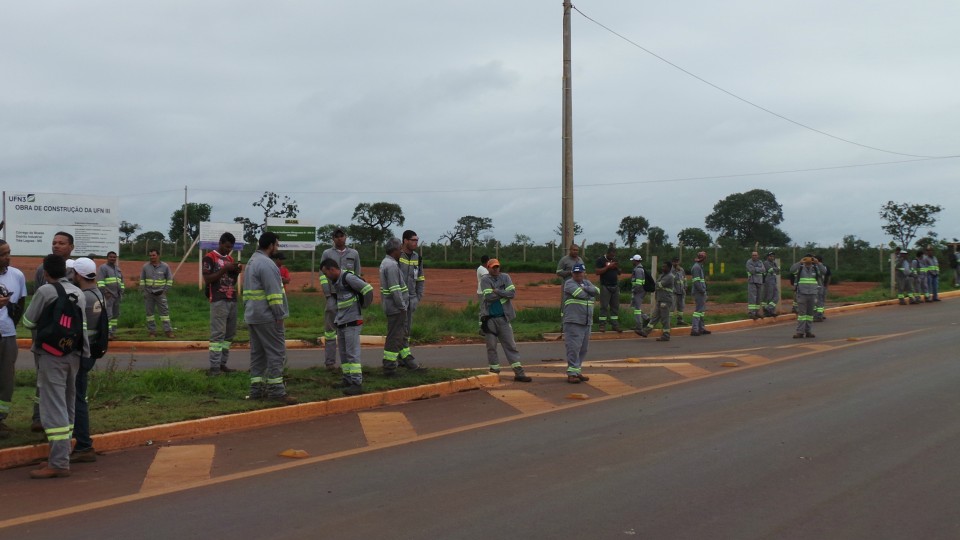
{"type": "Point", "coordinates": [154, 237]}
{"type": "Point", "coordinates": [127, 229]}
{"type": "Point", "coordinates": [196, 212]}
{"type": "Point", "coordinates": [372, 221]}
{"type": "Point", "coordinates": [577, 229]}
{"type": "Point", "coordinates": [694, 238]}
{"type": "Point", "coordinates": [852, 243]}
{"type": "Point", "coordinates": [467, 230]}
{"type": "Point", "coordinates": [522, 240]}
{"type": "Point", "coordinates": [273, 207]}
{"type": "Point", "coordinates": [904, 220]}
{"type": "Point", "coordinates": [251, 230]}
{"type": "Point", "coordinates": [657, 237]}
{"type": "Point", "coordinates": [631, 228]}
{"type": "Point", "coordinates": [749, 217]}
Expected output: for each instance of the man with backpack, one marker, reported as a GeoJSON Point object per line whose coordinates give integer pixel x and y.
{"type": "Point", "coordinates": [56, 317]}
{"type": "Point", "coordinates": [98, 334]}
{"type": "Point", "coordinates": [352, 295]}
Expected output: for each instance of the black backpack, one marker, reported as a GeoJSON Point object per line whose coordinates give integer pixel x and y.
{"type": "Point", "coordinates": [60, 329]}
{"type": "Point", "coordinates": [649, 284]}
{"type": "Point", "coordinates": [99, 345]}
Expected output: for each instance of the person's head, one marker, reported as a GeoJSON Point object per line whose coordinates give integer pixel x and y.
{"type": "Point", "coordinates": [269, 243]}
{"type": "Point", "coordinates": [278, 258]}
{"type": "Point", "coordinates": [611, 253]}
{"type": "Point", "coordinates": [808, 260]}
{"type": "Point", "coordinates": [227, 240]}
{"type": "Point", "coordinates": [410, 240]}
{"type": "Point", "coordinates": [112, 258]}
{"type": "Point", "coordinates": [819, 258]}
{"type": "Point", "coordinates": [666, 267]}
{"type": "Point", "coordinates": [85, 270]}
{"type": "Point", "coordinates": [484, 259]}
{"type": "Point", "coordinates": [62, 244]}
{"type": "Point", "coordinates": [771, 256]}
{"type": "Point", "coordinates": [929, 250]}
{"type": "Point", "coordinates": [4, 254]}
{"type": "Point", "coordinates": [578, 272]}
{"type": "Point", "coordinates": [701, 256]}
{"type": "Point", "coordinates": [392, 248]}
{"type": "Point", "coordinates": [154, 256]}
{"type": "Point", "coordinates": [675, 262]}
{"type": "Point", "coordinates": [636, 259]}
{"type": "Point", "coordinates": [493, 265]}
{"type": "Point", "coordinates": [330, 269]}
{"type": "Point", "coordinates": [574, 250]}
{"type": "Point", "coordinates": [754, 256]}
{"type": "Point", "coordinates": [339, 239]}
{"type": "Point", "coordinates": [54, 266]}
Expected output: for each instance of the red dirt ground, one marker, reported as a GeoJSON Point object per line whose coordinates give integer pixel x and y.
{"type": "Point", "coordinates": [452, 288]}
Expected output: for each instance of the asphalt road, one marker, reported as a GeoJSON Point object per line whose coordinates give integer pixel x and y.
{"type": "Point", "coordinates": [858, 441]}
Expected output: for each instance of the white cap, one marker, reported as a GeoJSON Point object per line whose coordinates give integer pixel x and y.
{"type": "Point", "coordinates": [85, 267]}
{"type": "Point", "coordinates": [636, 258]}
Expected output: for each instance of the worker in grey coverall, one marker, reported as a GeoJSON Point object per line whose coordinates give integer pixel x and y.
{"type": "Point", "coordinates": [771, 276]}
{"type": "Point", "coordinates": [679, 290]}
{"type": "Point", "coordinates": [348, 259]}
{"type": "Point", "coordinates": [662, 303]}
{"type": "Point", "coordinates": [411, 266]}
{"type": "Point", "coordinates": [755, 272]}
{"type": "Point", "coordinates": [699, 295]}
{"type": "Point", "coordinates": [579, 296]}
{"type": "Point", "coordinates": [637, 279]}
{"type": "Point", "coordinates": [394, 298]}
{"type": "Point", "coordinates": [565, 268]}
{"type": "Point", "coordinates": [496, 312]}
{"type": "Point", "coordinates": [352, 294]}
{"type": "Point", "coordinates": [904, 279]}
{"type": "Point", "coordinates": [808, 274]}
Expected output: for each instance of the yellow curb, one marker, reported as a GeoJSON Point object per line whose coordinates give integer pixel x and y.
{"type": "Point", "coordinates": [215, 425]}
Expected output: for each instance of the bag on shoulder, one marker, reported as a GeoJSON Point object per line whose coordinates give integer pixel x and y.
{"type": "Point", "coordinates": [649, 285]}
{"type": "Point", "coordinates": [99, 344]}
{"type": "Point", "coordinates": [60, 329]}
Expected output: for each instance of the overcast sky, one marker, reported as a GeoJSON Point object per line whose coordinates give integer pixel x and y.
{"type": "Point", "coordinates": [453, 108]}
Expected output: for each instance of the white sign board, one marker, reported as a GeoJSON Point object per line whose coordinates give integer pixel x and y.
{"type": "Point", "coordinates": [210, 232]}
{"type": "Point", "coordinates": [294, 234]}
{"type": "Point", "coordinates": [32, 219]}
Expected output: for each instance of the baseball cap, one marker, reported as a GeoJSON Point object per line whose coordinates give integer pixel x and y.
{"type": "Point", "coordinates": [579, 268]}
{"type": "Point", "coordinates": [493, 262]}
{"type": "Point", "coordinates": [85, 267]}
{"type": "Point", "coordinates": [636, 257]}
{"type": "Point", "coordinates": [70, 263]}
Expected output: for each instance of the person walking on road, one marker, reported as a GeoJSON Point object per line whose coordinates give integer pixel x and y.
{"type": "Point", "coordinates": [394, 297]}
{"type": "Point", "coordinates": [699, 295]}
{"type": "Point", "coordinates": [608, 269]}
{"type": "Point", "coordinates": [637, 280]}
{"type": "Point", "coordinates": [265, 308]}
{"type": "Point", "coordinates": [155, 280]}
{"type": "Point", "coordinates": [110, 281]}
{"type": "Point", "coordinates": [496, 312]}
{"type": "Point", "coordinates": [663, 303]}
{"type": "Point", "coordinates": [755, 273]}
{"type": "Point", "coordinates": [808, 275]}
{"type": "Point", "coordinates": [348, 259]}
{"type": "Point", "coordinates": [353, 294]}
{"type": "Point", "coordinates": [221, 273]}
{"type": "Point", "coordinates": [579, 296]}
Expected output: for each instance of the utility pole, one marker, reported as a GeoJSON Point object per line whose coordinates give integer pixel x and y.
{"type": "Point", "coordinates": [184, 218]}
{"type": "Point", "coordinates": [567, 194]}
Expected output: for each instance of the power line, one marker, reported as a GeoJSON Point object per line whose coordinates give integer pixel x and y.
{"type": "Point", "coordinates": [748, 102]}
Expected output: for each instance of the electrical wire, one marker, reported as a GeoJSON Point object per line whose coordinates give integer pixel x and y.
{"type": "Point", "coordinates": [744, 100]}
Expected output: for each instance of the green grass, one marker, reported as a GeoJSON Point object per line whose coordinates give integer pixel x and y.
{"type": "Point", "coordinates": [123, 398]}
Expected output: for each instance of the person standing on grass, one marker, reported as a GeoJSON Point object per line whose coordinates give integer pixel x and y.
{"type": "Point", "coordinates": [110, 281]}
{"type": "Point", "coordinates": [85, 275]}
{"type": "Point", "coordinates": [13, 290]}
{"type": "Point", "coordinates": [411, 266]}
{"type": "Point", "coordinates": [220, 273]}
{"type": "Point", "coordinates": [352, 295]}
{"type": "Point", "coordinates": [348, 259]}
{"type": "Point", "coordinates": [394, 297]}
{"type": "Point", "coordinates": [265, 308]}
{"type": "Point", "coordinates": [496, 312]}
{"type": "Point", "coordinates": [579, 296]}
{"type": "Point", "coordinates": [155, 280]}
{"type": "Point", "coordinates": [56, 375]}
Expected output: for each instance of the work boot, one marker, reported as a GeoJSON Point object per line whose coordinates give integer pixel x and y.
{"type": "Point", "coordinates": [170, 334]}
{"type": "Point", "coordinates": [49, 472]}
{"type": "Point", "coordinates": [808, 334]}
{"type": "Point", "coordinates": [680, 322]}
{"type": "Point", "coordinates": [284, 399]}
{"type": "Point", "coordinates": [798, 335]}
{"type": "Point", "coordinates": [617, 330]}
{"type": "Point", "coordinates": [411, 363]}
{"type": "Point", "coordinates": [573, 379]}
{"type": "Point", "coordinates": [603, 328]}
{"type": "Point", "coordinates": [152, 334]}
{"type": "Point", "coordinates": [903, 302]}
{"type": "Point", "coordinates": [522, 378]}
{"type": "Point", "coordinates": [583, 377]}
{"type": "Point", "coordinates": [213, 372]}
{"type": "Point", "coordinates": [638, 332]}
{"type": "Point", "coordinates": [390, 373]}
{"type": "Point", "coordinates": [705, 332]}
{"type": "Point", "coordinates": [37, 427]}
{"type": "Point", "coordinates": [225, 369]}
{"type": "Point", "coordinates": [88, 455]}
{"type": "Point", "coordinates": [664, 337]}
{"type": "Point", "coordinates": [353, 390]}
{"type": "Point", "coordinates": [694, 333]}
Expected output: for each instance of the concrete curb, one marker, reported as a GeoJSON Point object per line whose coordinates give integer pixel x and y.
{"type": "Point", "coordinates": [215, 425]}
